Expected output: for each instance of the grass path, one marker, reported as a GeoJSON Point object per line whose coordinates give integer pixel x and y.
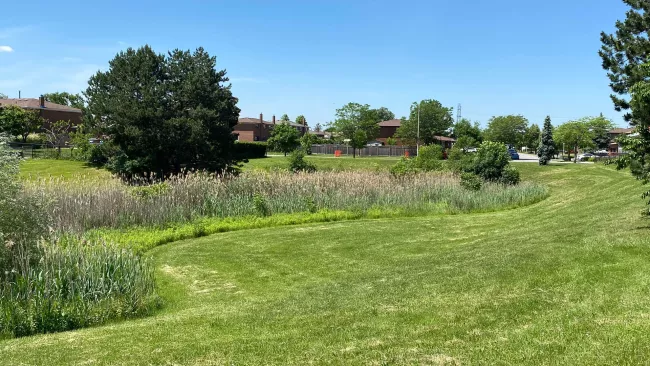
{"type": "Point", "coordinates": [564, 281]}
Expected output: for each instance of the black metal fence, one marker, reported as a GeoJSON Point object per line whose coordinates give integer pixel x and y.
{"type": "Point", "coordinates": [28, 150]}
{"type": "Point", "coordinates": [331, 149]}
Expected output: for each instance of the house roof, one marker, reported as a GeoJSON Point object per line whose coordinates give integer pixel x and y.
{"type": "Point", "coordinates": [34, 103]}
{"type": "Point", "coordinates": [257, 120]}
{"type": "Point", "coordinates": [444, 138]}
{"type": "Point", "coordinates": [619, 131]}
{"type": "Point", "coordinates": [391, 123]}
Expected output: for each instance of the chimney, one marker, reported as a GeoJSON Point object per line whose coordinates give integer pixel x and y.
{"type": "Point", "coordinates": [274, 119]}
{"type": "Point", "coordinates": [261, 118]}
{"type": "Point", "coordinates": [42, 100]}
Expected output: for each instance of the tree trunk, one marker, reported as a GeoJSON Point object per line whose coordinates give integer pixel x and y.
{"type": "Point", "coordinates": [354, 150]}
{"type": "Point", "coordinates": [575, 155]}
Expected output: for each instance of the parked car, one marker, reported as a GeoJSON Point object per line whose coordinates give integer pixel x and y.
{"type": "Point", "coordinates": [375, 143]}
{"type": "Point", "coordinates": [514, 155]}
{"type": "Point", "coordinates": [601, 153]}
{"type": "Point", "coordinates": [471, 150]}
{"type": "Point", "coordinates": [585, 156]}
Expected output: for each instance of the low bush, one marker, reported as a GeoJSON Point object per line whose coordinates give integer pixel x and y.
{"type": "Point", "coordinates": [471, 181]}
{"type": "Point", "coordinates": [429, 158]}
{"type": "Point", "coordinates": [297, 162]}
{"type": "Point", "coordinates": [75, 285]}
{"type": "Point", "coordinates": [509, 176]}
{"type": "Point", "coordinates": [405, 167]}
{"type": "Point", "coordinates": [490, 160]}
{"type": "Point", "coordinates": [249, 150]}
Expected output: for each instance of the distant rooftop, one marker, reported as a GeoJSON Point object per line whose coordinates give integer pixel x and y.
{"type": "Point", "coordinates": [620, 131]}
{"type": "Point", "coordinates": [34, 103]}
{"type": "Point", "coordinates": [391, 123]}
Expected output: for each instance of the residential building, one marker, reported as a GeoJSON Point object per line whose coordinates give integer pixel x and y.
{"type": "Point", "coordinates": [257, 129]}
{"type": "Point", "coordinates": [388, 129]}
{"type": "Point", "coordinates": [50, 112]}
{"type": "Point", "coordinates": [614, 148]}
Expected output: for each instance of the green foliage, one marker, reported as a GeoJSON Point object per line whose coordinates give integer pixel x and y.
{"type": "Point", "coordinates": [65, 98]}
{"type": "Point", "coordinates": [546, 148]}
{"type": "Point", "coordinates": [510, 176]}
{"type": "Point", "coordinates": [391, 141]}
{"type": "Point", "coordinates": [249, 150]}
{"type": "Point", "coordinates": [467, 131]}
{"type": "Point", "coordinates": [16, 121]}
{"type": "Point", "coordinates": [471, 181]}
{"type": "Point", "coordinates": [82, 148]}
{"type": "Point", "coordinates": [75, 285]}
{"type": "Point", "coordinates": [429, 158]}
{"type": "Point", "coordinates": [404, 168]}
{"type": "Point", "coordinates": [165, 113]}
{"type": "Point", "coordinates": [297, 162]}
{"type": "Point", "coordinates": [306, 141]}
{"type": "Point", "coordinates": [261, 205]}
{"type": "Point", "coordinates": [509, 130]}
{"type": "Point", "coordinates": [23, 218]}
{"type": "Point", "coordinates": [600, 127]}
{"type": "Point", "coordinates": [301, 120]}
{"type": "Point", "coordinates": [384, 114]}
{"type": "Point", "coordinates": [285, 118]}
{"type": "Point", "coordinates": [150, 191]}
{"type": "Point", "coordinates": [284, 138]}
{"type": "Point", "coordinates": [435, 120]}
{"type": "Point", "coordinates": [357, 123]}
{"type": "Point", "coordinates": [531, 137]}
{"type": "Point", "coordinates": [578, 134]}
{"type": "Point", "coordinates": [490, 160]}
{"type": "Point", "coordinates": [58, 134]}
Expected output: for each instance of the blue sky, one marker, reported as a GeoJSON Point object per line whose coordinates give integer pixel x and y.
{"type": "Point", "coordinates": [310, 57]}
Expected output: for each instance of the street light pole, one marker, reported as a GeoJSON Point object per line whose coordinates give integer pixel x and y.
{"type": "Point", "coordinates": [417, 143]}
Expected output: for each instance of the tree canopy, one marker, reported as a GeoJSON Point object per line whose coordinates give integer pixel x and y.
{"type": "Point", "coordinates": [471, 133]}
{"type": "Point", "coordinates": [165, 113]}
{"type": "Point", "coordinates": [546, 148]}
{"type": "Point", "coordinates": [3, 96]}
{"type": "Point", "coordinates": [531, 137]}
{"type": "Point", "coordinates": [624, 51]}
{"type": "Point", "coordinates": [435, 120]}
{"type": "Point", "coordinates": [357, 123]}
{"type": "Point", "coordinates": [600, 127]}
{"type": "Point", "coordinates": [384, 114]}
{"type": "Point", "coordinates": [576, 135]}
{"type": "Point", "coordinates": [285, 118]}
{"type": "Point", "coordinates": [284, 138]}
{"type": "Point", "coordinates": [301, 120]}
{"type": "Point", "coordinates": [509, 130]}
{"type": "Point", "coordinates": [16, 121]}
{"type": "Point", "coordinates": [65, 98]}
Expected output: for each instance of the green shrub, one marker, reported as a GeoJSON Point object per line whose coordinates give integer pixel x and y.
{"type": "Point", "coordinates": [75, 285]}
{"type": "Point", "coordinates": [297, 162]}
{"type": "Point", "coordinates": [490, 160]}
{"type": "Point", "coordinates": [509, 176]}
{"type": "Point", "coordinates": [261, 206]}
{"type": "Point", "coordinates": [429, 158]}
{"type": "Point", "coordinates": [404, 167]}
{"type": "Point", "coordinates": [249, 150]}
{"type": "Point", "coordinates": [471, 181]}
{"type": "Point", "coordinates": [150, 191]}
{"type": "Point", "coordinates": [458, 160]}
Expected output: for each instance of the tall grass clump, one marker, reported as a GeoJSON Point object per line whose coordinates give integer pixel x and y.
{"type": "Point", "coordinates": [78, 206]}
{"type": "Point", "coordinates": [76, 285]}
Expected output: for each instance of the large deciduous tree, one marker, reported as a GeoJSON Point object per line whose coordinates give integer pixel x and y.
{"type": "Point", "coordinates": [531, 137]}
{"type": "Point", "coordinates": [357, 123]}
{"type": "Point", "coordinates": [301, 120]}
{"type": "Point", "coordinates": [16, 121]}
{"type": "Point", "coordinates": [600, 127]}
{"type": "Point", "coordinates": [470, 133]}
{"type": "Point", "coordinates": [384, 114]}
{"type": "Point", "coordinates": [285, 118]}
{"type": "Point", "coordinates": [435, 120]}
{"type": "Point", "coordinates": [165, 113]}
{"type": "Point", "coordinates": [546, 148]}
{"type": "Point", "coordinates": [576, 135]}
{"type": "Point", "coordinates": [284, 138]}
{"type": "Point", "coordinates": [509, 130]}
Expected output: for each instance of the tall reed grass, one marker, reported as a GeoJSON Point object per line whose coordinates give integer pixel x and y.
{"type": "Point", "coordinates": [78, 206]}
{"type": "Point", "coordinates": [76, 285]}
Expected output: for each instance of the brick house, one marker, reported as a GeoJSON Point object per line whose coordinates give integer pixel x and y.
{"type": "Point", "coordinates": [614, 133]}
{"type": "Point", "coordinates": [257, 129]}
{"type": "Point", "coordinates": [50, 112]}
{"type": "Point", "coordinates": [388, 129]}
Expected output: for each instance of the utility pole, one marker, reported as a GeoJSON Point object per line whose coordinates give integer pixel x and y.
{"type": "Point", "coordinates": [417, 144]}
{"type": "Point", "coordinates": [458, 114]}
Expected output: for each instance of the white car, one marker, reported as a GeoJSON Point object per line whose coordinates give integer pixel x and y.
{"type": "Point", "coordinates": [375, 143]}
{"type": "Point", "coordinates": [585, 156]}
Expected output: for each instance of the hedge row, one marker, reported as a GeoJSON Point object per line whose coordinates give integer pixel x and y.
{"type": "Point", "coordinates": [250, 150]}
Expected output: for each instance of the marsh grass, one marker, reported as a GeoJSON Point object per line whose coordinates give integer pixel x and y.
{"type": "Point", "coordinates": [79, 206]}
{"type": "Point", "coordinates": [76, 285]}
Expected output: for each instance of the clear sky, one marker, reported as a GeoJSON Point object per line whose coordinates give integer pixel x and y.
{"type": "Point", "coordinates": [496, 57]}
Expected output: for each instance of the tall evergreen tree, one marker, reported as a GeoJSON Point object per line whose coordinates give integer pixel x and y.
{"type": "Point", "coordinates": [546, 148]}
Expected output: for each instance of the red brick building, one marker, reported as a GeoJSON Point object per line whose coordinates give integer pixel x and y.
{"type": "Point", "coordinates": [387, 129]}
{"type": "Point", "coordinates": [613, 147]}
{"type": "Point", "coordinates": [50, 112]}
{"type": "Point", "coordinates": [257, 129]}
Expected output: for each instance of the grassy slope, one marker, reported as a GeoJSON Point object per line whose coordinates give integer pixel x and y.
{"type": "Point", "coordinates": [564, 281]}
{"type": "Point", "coordinates": [43, 168]}
{"type": "Point", "coordinates": [324, 162]}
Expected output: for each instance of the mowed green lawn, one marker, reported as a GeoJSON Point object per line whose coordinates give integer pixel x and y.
{"type": "Point", "coordinates": [64, 169]}
{"type": "Point", "coordinates": [325, 162]}
{"type": "Point", "coordinates": [564, 281]}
